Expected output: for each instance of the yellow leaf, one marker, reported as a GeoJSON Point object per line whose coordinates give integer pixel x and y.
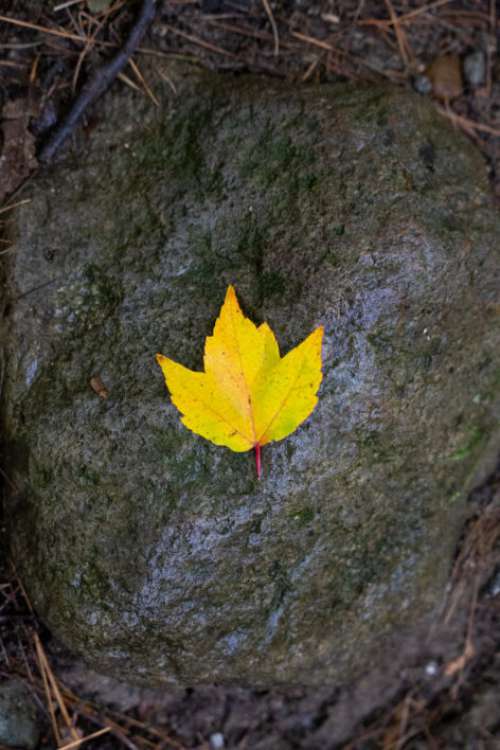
{"type": "Point", "coordinates": [248, 395]}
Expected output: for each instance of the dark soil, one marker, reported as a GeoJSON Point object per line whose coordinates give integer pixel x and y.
{"type": "Point", "coordinates": [441, 691]}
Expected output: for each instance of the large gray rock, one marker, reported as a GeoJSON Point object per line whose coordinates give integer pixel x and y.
{"type": "Point", "coordinates": [159, 555]}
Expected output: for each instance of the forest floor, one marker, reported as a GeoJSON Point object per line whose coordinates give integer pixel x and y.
{"type": "Point", "coordinates": [446, 696]}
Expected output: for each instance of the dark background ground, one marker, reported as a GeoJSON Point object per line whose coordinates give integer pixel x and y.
{"type": "Point", "coordinates": [443, 692]}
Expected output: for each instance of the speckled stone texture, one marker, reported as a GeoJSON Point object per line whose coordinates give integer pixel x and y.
{"type": "Point", "coordinates": [159, 555]}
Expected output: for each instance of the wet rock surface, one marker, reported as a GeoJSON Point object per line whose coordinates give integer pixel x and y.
{"type": "Point", "coordinates": [159, 555]}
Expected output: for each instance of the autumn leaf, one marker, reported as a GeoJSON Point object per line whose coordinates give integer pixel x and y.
{"type": "Point", "coordinates": [248, 395]}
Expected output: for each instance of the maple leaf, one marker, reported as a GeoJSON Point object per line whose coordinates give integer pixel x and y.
{"type": "Point", "coordinates": [248, 395]}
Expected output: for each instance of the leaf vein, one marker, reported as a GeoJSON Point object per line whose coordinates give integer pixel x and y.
{"type": "Point", "coordinates": [293, 387]}
{"type": "Point", "coordinates": [247, 387]}
{"type": "Point", "coordinates": [210, 408]}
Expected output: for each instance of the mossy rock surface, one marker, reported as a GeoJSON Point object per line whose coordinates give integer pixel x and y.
{"type": "Point", "coordinates": [158, 555]}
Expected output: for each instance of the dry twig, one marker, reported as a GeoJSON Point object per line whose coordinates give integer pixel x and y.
{"type": "Point", "coordinates": [466, 124]}
{"type": "Point", "coordinates": [400, 35]}
{"type": "Point", "coordinates": [274, 28]}
{"type": "Point", "coordinates": [101, 80]}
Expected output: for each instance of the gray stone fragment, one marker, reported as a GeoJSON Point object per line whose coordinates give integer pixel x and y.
{"type": "Point", "coordinates": [475, 68]}
{"type": "Point", "coordinates": [18, 716]}
{"type": "Point", "coordinates": [159, 555]}
{"type": "Point", "coordinates": [217, 741]}
{"type": "Point", "coordinates": [422, 84]}
{"type": "Point", "coordinates": [493, 585]}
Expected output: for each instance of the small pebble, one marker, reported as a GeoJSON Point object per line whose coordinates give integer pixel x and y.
{"type": "Point", "coordinates": [475, 69]}
{"type": "Point", "coordinates": [217, 741]}
{"type": "Point", "coordinates": [422, 84]}
{"type": "Point", "coordinates": [159, 29]}
{"type": "Point", "coordinates": [493, 585]}
{"type": "Point", "coordinates": [330, 18]}
{"type": "Point", "coordinates": [431, 668]}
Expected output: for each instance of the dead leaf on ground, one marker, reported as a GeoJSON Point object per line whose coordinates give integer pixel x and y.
{"type": "Point", "coordinates": [98, 386]}
{"type": "Point", "coordinates": [445, 74]}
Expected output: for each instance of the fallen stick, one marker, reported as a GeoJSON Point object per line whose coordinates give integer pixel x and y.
{"type": "Point", "coordinates": [100, 81]}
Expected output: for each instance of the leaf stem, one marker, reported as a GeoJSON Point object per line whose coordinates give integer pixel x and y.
{"type": "Point", "coordinates": [258, 464]}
